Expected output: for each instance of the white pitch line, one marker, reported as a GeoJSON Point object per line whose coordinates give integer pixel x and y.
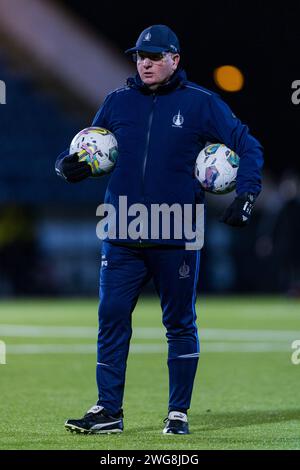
{"type": "Point", "coordinates": [206, 334]}
{"type": "Point", "coordinates": [31, 331]}
{"type": "Point", "coordinates": [245, 347]}
{"type": "Point", "coordinates": [50, 349]}
{"type": "Point", "coordinates": [211, 334]}
{"type": "Point", "coordinates": [211, 347]}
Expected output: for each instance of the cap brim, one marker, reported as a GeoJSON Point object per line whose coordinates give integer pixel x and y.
{"type": "Point", "coordinates": [146, 49]}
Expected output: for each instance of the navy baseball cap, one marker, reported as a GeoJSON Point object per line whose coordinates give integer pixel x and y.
{"type": "Point", "coordinates": [156, 38]}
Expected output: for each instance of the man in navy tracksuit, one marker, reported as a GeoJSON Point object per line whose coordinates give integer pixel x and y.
{"type": "Point", "coordinates": [161, 122]}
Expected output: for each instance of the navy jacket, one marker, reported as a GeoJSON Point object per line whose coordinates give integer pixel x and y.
{"type": "Point", "coordinates": [159, 136]}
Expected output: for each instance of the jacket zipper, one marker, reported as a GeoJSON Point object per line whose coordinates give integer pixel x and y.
{"type": "Point", "coordinates": [154, 96]}
{"type": "Point", "coordinates": [147, 142]}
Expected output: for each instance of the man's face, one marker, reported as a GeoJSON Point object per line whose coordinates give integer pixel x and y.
{"type": "Point", "coordinates": [156, 69]}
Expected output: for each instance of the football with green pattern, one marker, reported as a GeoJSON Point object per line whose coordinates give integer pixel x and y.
{"type": "Point", "coordinates": [216, 168]}
{"type": "Point", "coordinates": [98, 147]}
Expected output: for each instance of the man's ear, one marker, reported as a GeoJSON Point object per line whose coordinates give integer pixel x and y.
{"type": "Point", "coordinates": [176, 59]}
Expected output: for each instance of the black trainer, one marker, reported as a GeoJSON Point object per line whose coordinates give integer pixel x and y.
{"type": "Point", "coordinates": [96, 421]}
{"type": "Point", "coordinates": [176, 423]}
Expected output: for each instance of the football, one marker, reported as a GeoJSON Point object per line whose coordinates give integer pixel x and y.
{"type": "Point", "coordinates": [98, 147]}
{"type": "Point", "coordinates": [216, 169]}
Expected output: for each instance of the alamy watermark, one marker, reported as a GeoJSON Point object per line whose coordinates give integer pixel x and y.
{"type": "Point", "coordinates": [2, 352]}
{"type": "Point", "coordinates": [296, 94]}
{"type": "Point", "coordinates": [139, 223]}
{"type": "Point", "coordinates": [2, 92]}
{"type": "Point", "coordinates": [295, 358]}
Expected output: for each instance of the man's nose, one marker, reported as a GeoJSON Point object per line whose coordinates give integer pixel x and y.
{"type": "Point", "coordinates": [147, 62]}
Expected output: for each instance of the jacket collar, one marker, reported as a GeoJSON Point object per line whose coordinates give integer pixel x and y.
{"type": "Point", "coordinates": [177, 80]}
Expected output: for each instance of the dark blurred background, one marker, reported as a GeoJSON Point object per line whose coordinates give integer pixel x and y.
{"type": "Point", "coordinates": [59, 59]}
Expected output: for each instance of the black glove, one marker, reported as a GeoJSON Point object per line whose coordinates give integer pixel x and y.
{"type": "Point", "coordinates": [239, 212]}
{"type": "Point", "coordinates": [72, 170]}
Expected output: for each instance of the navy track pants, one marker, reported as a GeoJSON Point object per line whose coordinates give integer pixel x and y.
{"type": "Point", "coordinates": [124, 271]}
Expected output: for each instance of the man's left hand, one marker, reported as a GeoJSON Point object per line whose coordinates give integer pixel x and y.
{"type": "Point", "coordinates": [239, 212]}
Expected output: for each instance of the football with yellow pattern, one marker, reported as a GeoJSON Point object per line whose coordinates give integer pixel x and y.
{"type": "Point", "coordinates": [98, 147]}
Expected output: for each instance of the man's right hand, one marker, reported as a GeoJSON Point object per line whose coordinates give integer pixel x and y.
{"type": "Point", "coordinates": [72, 170]}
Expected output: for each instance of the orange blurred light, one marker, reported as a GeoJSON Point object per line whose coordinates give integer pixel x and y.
{"type": "Point", "coordinates": [229, 78]}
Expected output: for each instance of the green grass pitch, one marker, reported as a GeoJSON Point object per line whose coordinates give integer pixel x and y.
{"type": "Point", "coordinates": [246, 393]}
